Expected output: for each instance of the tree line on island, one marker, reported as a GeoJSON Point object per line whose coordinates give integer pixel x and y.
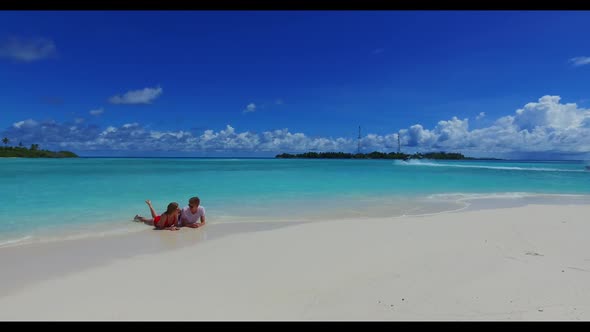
{"type": "Point", "coordinates": [377, 155]}
{"type": "Point", "coordinates": [34, 151]}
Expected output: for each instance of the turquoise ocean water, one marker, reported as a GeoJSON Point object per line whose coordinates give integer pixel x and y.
{"type": "Point", "coordinates": [48, 199]}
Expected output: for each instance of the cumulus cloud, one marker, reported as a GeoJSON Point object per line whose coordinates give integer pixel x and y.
{"type": "Point", "coordinates": [481, 115]}
{"type": "Point", "coordinates": [250, 108]}
{"type": "Point", "coordinates": [143, 96]}
{"type": "Point", "coordinates": [543, 126]}
{"type": "Point", "coordinates": [134, 136]}
{"type": "Point", "coordinates": [27, 50]}
{"type": "Point", "coordinates": [51, 133]}
{"type": "Point", "coordinates": [547, 126]}
{"type": "Point", "coordinates": [29, 123]}
{"type": "Point", "coordinates": [580, 60]}
{"type": "Point", "coordinates": [96, 112]}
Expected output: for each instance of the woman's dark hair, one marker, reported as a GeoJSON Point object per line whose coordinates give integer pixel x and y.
{"type": "Point", "coordinates": [171, 208]}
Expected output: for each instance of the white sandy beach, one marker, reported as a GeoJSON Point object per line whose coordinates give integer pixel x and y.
{"type": "Point", "coordinates": [523, 263]}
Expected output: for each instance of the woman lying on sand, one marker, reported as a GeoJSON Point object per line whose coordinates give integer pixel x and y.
{"type": "Point", "coordinates": [165, 221]}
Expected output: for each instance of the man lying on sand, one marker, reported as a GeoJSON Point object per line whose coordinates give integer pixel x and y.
{"type": "Point", "coordinates": [192, 214]}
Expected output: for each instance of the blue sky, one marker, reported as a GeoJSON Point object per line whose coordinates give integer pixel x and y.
{"type": "Point", "coordinates": [248, 83]}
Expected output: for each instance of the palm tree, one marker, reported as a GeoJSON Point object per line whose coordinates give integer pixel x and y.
{"type": "Point", "coordinates": [5, 140]}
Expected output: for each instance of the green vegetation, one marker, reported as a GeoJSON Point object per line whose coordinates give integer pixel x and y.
{"type": "Point", "coordinates": [33, 152]}
{"type": "Point", "coordinates": [377, 155]}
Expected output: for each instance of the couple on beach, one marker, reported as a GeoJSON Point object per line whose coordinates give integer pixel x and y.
{"type": "Point", "coordinates": [192, 215]}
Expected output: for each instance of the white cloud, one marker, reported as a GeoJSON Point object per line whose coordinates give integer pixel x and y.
{"type": "Point", "coordinates": [97, 112]}
{"type": "Point", "coordinates": [548, 112]}
{"type": "Point", "coordinates": [580, 60]}
{"type": "Point", "coordinates": [544, 126]}
{"type": "Point", "coordinates": [481, 115]}
{"type": "Point", "coordinates": [250, 108]}
{"type": "Point", "coordinates": [133, 136]}
{"type": "Point", "coordinates": [144, 96]}
{"type": "Point", "coordinates": [25, 124]}
{"type": "Point", "coordinates": [131, 125]}
{"type": "Point", "coordinates": [27, 50]}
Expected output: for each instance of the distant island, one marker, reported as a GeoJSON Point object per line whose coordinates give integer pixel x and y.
{"type": "Point", "coordinates": [379, 155]}
{"type": "Point", "coordinates": [33, 152]}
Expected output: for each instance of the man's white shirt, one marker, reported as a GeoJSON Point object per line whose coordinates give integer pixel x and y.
{"type": "Point", "coordinates": [187, 217]}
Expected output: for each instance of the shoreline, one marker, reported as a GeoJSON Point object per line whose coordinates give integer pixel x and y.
{"type": "Point", "coordinates": [490, 264]}
{"type": "Point", "coordinates": [48, 260]}
{"type": "Point", "coordinates": [316, 211]}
